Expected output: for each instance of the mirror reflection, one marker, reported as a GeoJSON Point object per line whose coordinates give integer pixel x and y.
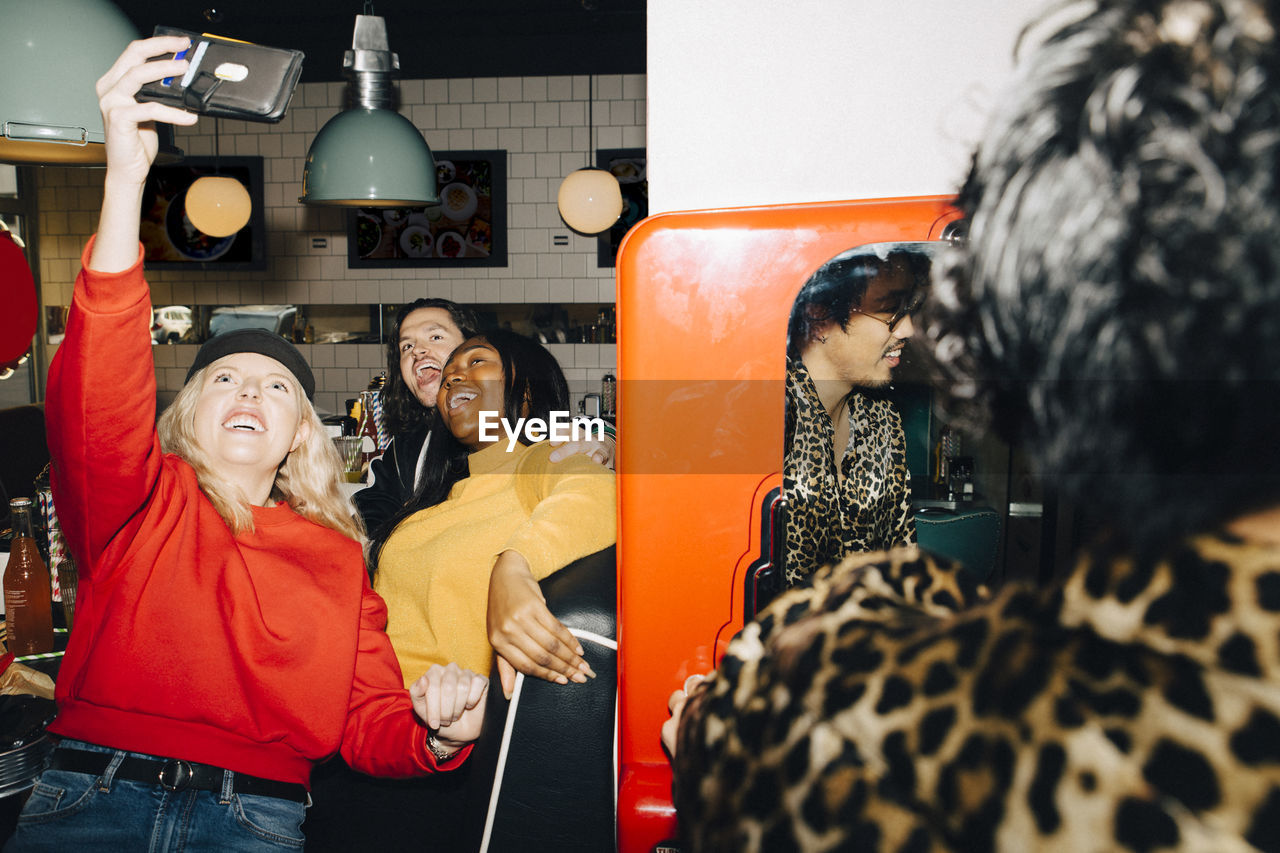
{"type": "Point", "coordinates": [846, 476]}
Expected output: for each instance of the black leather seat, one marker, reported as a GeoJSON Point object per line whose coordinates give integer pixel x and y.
{"type": "Point", "coordinates": [969, 535]}
{"type": "Point", "coordinates": [551, 752]}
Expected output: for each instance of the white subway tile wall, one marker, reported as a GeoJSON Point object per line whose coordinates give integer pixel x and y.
{"type": "Point", "coordinates": [540, 121]}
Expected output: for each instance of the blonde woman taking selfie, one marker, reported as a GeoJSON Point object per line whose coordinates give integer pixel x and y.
{"type": "Point", "coordinates": [226, 635]}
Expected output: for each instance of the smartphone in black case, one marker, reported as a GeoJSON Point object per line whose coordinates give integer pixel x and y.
{"type": "Point", "coordinates": [229, 78]}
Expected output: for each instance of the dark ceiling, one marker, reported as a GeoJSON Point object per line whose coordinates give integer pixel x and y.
{"type": "Point", "coordinates": [451, 38]}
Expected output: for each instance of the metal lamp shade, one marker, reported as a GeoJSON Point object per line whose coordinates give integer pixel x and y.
{"type": "Point", "coordinates": [52, 52]}
{"type": "Point", "coordinates": [590, 200]}
{"type": "Point", "coordinates": [369, 158]}
{"type": "Point", "coordinates": [218, 206]}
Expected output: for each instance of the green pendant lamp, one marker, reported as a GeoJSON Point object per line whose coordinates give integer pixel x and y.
{"type": "Point", "coordinates": [52, 52]}
{"type": "Point", "coordinates": [369, 155]}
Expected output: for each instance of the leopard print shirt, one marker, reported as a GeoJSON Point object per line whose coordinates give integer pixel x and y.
{"type": "Point", "coordinates": [1136, 707]}
{"type": "Point", "coordinates": [870, 510]}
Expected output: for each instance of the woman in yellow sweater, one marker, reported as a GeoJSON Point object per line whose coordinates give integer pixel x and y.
{"type": "Point", "coordinates": [460, 570]}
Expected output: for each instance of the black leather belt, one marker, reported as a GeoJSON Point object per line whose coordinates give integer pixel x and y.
{"type": "Point", "coordinates": [174, 774]}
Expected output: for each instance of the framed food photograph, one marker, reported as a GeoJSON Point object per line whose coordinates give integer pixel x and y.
{"type": "Point", "coordinates": [628, 166]}
{"type": "Point", "coordinates": [467, 228]}
{"type": "Point", "coordinates": [170, 241]}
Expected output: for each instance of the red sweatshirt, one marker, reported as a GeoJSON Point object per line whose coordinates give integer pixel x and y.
{"type": "Point", "coordinates": [262, 653]}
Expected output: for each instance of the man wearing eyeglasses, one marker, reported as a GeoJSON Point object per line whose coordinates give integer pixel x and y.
{"type": "Point", "coordinates": [845, 476]}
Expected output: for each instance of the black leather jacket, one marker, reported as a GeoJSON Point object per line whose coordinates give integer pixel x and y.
{"type": "Point", "coordinates": [392, 477]}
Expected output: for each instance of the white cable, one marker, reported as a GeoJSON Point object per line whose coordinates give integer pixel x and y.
{"type": "Point", "coordinates": [502, 762]}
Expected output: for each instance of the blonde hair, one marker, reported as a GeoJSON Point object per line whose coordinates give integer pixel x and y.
{"type": "Point", "coordinates": [307, 479]}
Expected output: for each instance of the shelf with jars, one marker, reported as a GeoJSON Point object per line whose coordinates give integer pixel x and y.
{"type": "Point", "coordinates": [548, 323]}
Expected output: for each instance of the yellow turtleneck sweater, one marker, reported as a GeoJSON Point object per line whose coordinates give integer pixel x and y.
{"type": "Point", "coordinates": [434, 569]}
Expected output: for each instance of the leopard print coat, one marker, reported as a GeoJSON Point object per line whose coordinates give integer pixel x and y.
{"type": "Point", "coordinates": [1136, 706]}
{"type": "Point", "coordinates": [870, 510]}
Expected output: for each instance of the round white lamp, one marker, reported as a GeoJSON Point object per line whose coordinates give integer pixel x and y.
{"type": "Point", "coordinates": [590, 200]}
{"type": "Point", "coordinates": [218, 206]}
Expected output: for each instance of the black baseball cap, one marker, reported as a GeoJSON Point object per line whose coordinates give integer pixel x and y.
{"type": "Point", "coordinates": [262, 342]}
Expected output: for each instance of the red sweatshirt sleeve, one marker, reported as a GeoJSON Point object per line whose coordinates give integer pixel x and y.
{"type": "Point", "coordinates": [383, 735]}
{"type": "Point", "coordinates": [101, 410]}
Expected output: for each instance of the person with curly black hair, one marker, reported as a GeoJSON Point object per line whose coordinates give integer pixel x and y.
{"type": "Point", "coordinates": [491, 493]}
{"type": "Point", "coordinates": [1116, 311]}
{"type": "Point", "coordinates": [459, 569]}
{"type": "Point", "coordinates": [421, 337]}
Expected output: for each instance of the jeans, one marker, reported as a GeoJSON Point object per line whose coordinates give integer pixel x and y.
{"type": "Point", "coordinates": [79, 811]}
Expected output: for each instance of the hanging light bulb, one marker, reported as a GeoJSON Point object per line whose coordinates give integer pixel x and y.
{"type": "Point", "coordinates": [590, 200]}
{"type": "Point", "coordinates": [216, 204]}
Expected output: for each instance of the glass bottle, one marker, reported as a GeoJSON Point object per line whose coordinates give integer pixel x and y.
{"type": "Point", "coordinates": [28, 606]}
{"type": "Point", "coordinates": [604, 334]}
{"type": "Point", "coordinates": [376, 437]}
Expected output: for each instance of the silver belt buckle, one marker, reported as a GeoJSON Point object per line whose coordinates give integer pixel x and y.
{"type": "Point", "coordinates": [176, 775]}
